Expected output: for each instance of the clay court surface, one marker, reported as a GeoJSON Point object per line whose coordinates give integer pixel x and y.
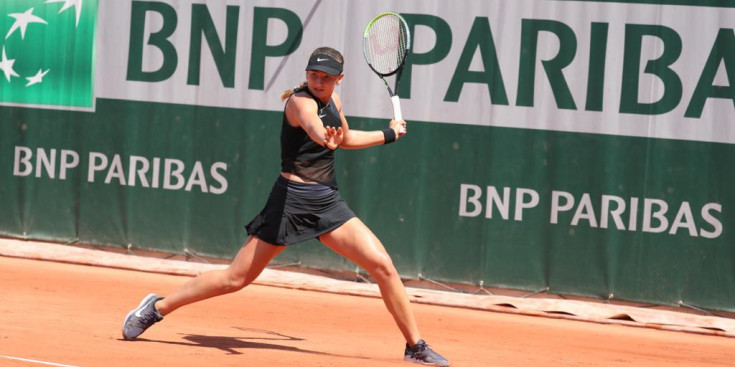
{"type": "Point", "coordinates": [62, 314]}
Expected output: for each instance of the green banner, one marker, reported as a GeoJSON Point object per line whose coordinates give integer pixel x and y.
{"type": "Point", "coordinates": [574, 147]}
{"type": "Point", "coordinates": [580, 214]}
{"type": "Point", "coordinates": [48, 53]}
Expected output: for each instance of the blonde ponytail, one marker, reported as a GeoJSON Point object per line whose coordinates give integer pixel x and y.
{"type": "Point", "coordinates": [286, 94]}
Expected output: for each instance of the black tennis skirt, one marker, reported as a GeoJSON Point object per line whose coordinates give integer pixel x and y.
{"type": "Point", "coordinates": [297, 211]}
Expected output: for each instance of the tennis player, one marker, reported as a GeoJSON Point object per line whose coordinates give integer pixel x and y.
{"type": "Point", "coordinates": [305, 203]}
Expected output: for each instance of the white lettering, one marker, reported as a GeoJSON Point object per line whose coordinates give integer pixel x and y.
{"type": "Point", "coordinates": [522, 204]}
{"type": "Point", "coordinates": [556, 207]}
{"type": "Point", "coordinates": [606, 212]}
{"type": "Point", "coordinates": [709, 218]}
{"type": "Point", "coordinates": [116, 171]}
{"type": "Point", "coordinates": [217, 176]}
{"type": "Point", "coordinates": [45, 161]}
{"type": "Point", "coordinates": [156, 171]}
{"type": "Point", "coordinates": [633, 220]}
{"type": "Point", "coordinates": [140, 172]}
{"type": "Point", "coordinates": [493, 199]}
{"type": "Point", "coordinates": [474, 199]}
{"type": "Point", "coordinates": [684, 219]}
{"type": "Point", "coordinates": [649, 214]}
{"type": "Point", "coordinates": [197, 178]}
{"type": "Point", "coordinates": [585, 211]}
{"type": "Point", "coordinates": [22, 157]}
{"type": "Point", "coordinates": [66, 163]}
{"type": "Point", "coordinates": [169, 172]}
{"type": "Point", "coordinates": [97, 162]}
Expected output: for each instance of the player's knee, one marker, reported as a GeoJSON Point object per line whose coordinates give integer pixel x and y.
{"type": "Point", "coordinates": [232, 283]}
{"type": "Point", "coordinates": [383, 269]}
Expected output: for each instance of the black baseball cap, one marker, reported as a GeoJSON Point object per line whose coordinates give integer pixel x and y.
{"type": "Point", "coordinates": [325, 63]}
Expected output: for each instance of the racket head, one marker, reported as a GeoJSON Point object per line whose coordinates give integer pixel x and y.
{"type": "Point", "coordinates": [386, 42]}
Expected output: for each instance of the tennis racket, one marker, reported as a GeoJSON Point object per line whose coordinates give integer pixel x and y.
{"type": "Point", "coordinates": [385, 44]}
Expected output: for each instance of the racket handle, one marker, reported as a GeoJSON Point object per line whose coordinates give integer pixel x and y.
{"type": "Point", "coordinates": [396, 108]}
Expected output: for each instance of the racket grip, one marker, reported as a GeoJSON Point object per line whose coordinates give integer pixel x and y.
{"type": "Point", "coordinates": [396, 108]}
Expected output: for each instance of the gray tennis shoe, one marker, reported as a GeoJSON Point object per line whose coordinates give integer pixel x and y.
{"type": "Point", "coordinates": [422, 353]}
{"type": "Point", "coordinates": [142, 317]}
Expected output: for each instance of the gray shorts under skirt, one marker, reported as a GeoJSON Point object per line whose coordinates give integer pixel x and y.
{"type": "Point", "coordinates": [296, 212]}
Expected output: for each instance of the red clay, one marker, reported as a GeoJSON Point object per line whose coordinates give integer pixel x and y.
{"type": "Point", "coordinates": [72, 315]}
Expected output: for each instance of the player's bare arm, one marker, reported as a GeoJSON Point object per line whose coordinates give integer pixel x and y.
{"type": "Point", "coordinates": [358, 139]}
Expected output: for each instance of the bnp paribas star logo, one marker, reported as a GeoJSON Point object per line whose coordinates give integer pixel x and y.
{"type": "Point", "coordinates": [48, 53]}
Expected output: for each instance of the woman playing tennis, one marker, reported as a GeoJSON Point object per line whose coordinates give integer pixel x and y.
{"type": "Point", "coordinates": [305, 203]}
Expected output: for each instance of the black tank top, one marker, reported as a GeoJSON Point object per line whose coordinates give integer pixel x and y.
{"type": "Point", "coordinates": [302, 156]}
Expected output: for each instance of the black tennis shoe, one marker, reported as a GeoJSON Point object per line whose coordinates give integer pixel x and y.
{"type": "Point", "coordinates": [142, 317]}
{"type": "Point", "coordinates": [422, 353]}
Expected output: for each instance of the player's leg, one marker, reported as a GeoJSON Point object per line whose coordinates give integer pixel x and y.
{"type": "Point", "coordinates": [249, 262]}
{"type": "Point", "coordinates": [355, 241]}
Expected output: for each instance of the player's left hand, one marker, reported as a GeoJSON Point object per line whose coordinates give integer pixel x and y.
{"type": "Point", "coordinates": [333, 137]}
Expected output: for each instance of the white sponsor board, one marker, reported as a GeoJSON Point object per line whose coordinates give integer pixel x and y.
{"type": "Point", "coordinates": [686, 34]}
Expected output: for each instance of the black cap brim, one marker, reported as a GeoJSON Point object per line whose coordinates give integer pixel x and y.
{"type": "Point", "coordinates": [324, 63]}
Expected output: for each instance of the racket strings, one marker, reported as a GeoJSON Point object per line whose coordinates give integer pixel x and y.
{"type": "Point", "coordinates": [386, 44]}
